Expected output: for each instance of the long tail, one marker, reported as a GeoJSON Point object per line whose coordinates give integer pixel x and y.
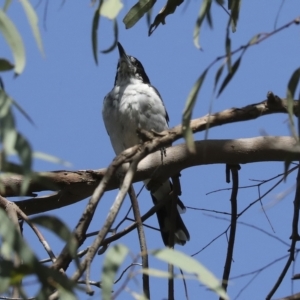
{"type": "Point", "coordinates": [164, 216]}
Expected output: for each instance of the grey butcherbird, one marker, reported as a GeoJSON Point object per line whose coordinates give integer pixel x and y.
{"type": "Point", "coordinates": [134, 103]}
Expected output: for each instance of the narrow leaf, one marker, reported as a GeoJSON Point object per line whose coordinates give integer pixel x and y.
{"type": "Point", "coordinates": [190, 265]}
{"type": "Point", "coordinates": [113, 259]}
{"type": "Point", "coordinates": [291, 89]}
{"type": "Point", "coordinates": [218, 75]}
{"type": "Point", "coordinates": [22, 111]}
{"type": "Point", "coordinates": [235, 10]}
{"type": "Point", "coordinates": [95, 27]}
{"type": "Point", "coordinates": [23, 148]}
{"type": "Point", "coordinates": [12, 241]}
{"type": "Point", "coordinates": [66, 294]}
{"type": "Point", "coordinates": [137, 12]}
{"type": "Point", "coordinates": [5, 65]}
{"type": "Point", "coordinates": [14, 40]}
{"type": "Point", "coordinates": [229, 75]}
{"type": "Point", "coordinates": [51, 158]}
{"type": "Point", "coordinates": [204, 12]}
{"type": "Point", "coordinates": [188, 110]}
{"type": "Point", "coordinates": [7, 4]}
{"type": "Point", "coordinates": [33, 21]}
{"type": "Point", "coordinates": [116, 34]}
{"type": "Point", "coordinates": [228, 50]}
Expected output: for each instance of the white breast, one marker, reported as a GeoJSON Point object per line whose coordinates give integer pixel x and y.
{"type": "Point", "coordinates": [129, 107]}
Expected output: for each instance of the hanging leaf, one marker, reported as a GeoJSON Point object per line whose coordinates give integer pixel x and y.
{"type": "Point", "coordinates": [291, 89]}
{"type": "Point", "coordinates": [137, 12]}
{"type": "Point", "coordinates": [230, 75]}
{"type": "Point", "coordinates": [188, 110]}
{"type": "Point", "coordinates": [33, 21]}
{"type": "Point", "coordinates": [14, 41]}
{"type": "Point", "coordinates": [95, 27]}
{"type": "Point", "coordinates": [113, 259]}
{"type": "Point", "coordinates": [116, 34]}
{"type": "Point", "coordinates": [234, 6]}
{"type": "Point", "coordinates": [191, 265]}
{"type": "Point", "coordinates": [5, 65]}
{"type": "Point", "coordinates": [203, 13]}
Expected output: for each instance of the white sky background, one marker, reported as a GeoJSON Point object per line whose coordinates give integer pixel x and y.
{"type": "Point", "coordinates": [63, 94]}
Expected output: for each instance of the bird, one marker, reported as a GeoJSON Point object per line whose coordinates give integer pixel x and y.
{"type": "Point", "coordinates": [134, 104]}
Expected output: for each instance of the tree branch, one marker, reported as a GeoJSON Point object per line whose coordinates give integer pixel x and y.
{"type": "Point", "coordinates": [78, 185]}
{"type": "Point", "coordinates": [74, 186]}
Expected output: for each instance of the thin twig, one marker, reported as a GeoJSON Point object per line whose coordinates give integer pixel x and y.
{"type": "Point", "coordinates": [142, 239]}
{"type": "Point", "coordinates": [295, 237]}
{"type": "Point", "coordinates": [108, 222]}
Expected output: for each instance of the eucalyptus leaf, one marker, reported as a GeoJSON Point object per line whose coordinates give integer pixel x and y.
{"type": "Point", "coordinates": [95, 27]}
{"type": "Point", "coordinates": [188, 110]}
{"type": "Point", "coordinates": [191, 265]}
{"type": "Point", "coordinates": [113, 259]}
{"type": "Point", "coordinates": [137, 12]}
{"type": "Point", "coordinates": [33, 21]}
{"type": "Point", "coordinates": [5, 65]}
{"type": "Point", "coordinates": [14, 40]}
{"type": "Point", "coordinates": [204, 12]}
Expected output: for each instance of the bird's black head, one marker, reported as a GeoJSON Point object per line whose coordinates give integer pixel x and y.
{"type": "Point", "coordinates": [129, 68]}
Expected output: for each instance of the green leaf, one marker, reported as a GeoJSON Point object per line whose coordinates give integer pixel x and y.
{"type": "Point", "coordinates": [116, 34]}
{"type": "Point", "coordinates": [156, 273]}
{"type": "Point", "coordinates": [230, 75]}
{"type": "Point", "coordinates": [9, 101]}
{"type": "Point", "coordinates": [113, 260]}
{"type": "Point", "coordinates": [137, 12]}
{"type": "Point", "coordinates": [254, 39]}
{"type": "Point", "coordinates": [228, 50]}
{"type": "Point", "coordinates": [60, 229]}
{"type": "Point", "coordinates": [188, 110]}
{"type": "Point", "coordinates": [218, 75]}
{"type": "Point", "coordinates": [111, 8]}
{"type": "Point", "coordinates": [51, 158]}
{"type": "Point", "coordinates": [204, 12]}
{"type": "Point", "coordinates": [7, 4]}
{"type": "Point", "coordinates": [66, 294]}
{"type": "Point", "coordinates": [4, 279]}
{"type": "Point", "coordinates": [8, 134]}
{"type": "Point", "coordinates": [23, 148]}
{"type": "Point", "coordinates": [5, 65]}
{"type": "Point", "coordinates": [33, 21]}
{"type": "Point", "coordinates": [13, 242]}
{"type": "Point", "coordinates": [95, 27]}
{"type": "Point", "coordinates": [234, 6]}
{"type": "Point", "coordinates": [22, 111]}
{"type": "Point", "coordinates": [291, 89]}
{"type": "Point", "coordinates": [14, 40]}
{"type": "Point", "coordinates": [190, 265]}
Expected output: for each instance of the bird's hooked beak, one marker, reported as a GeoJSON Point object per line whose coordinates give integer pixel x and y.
{"type": "Point", "coordinates": [124, 59]}
{"type": "Point", "coordinates": [121, 51]}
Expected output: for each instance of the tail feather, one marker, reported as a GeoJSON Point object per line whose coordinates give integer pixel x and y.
{"type": "Point", "coordinates": [164, 217]}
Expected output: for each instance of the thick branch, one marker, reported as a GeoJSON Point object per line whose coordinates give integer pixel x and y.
{"type": "Point", "coordinates": [75, 186]}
